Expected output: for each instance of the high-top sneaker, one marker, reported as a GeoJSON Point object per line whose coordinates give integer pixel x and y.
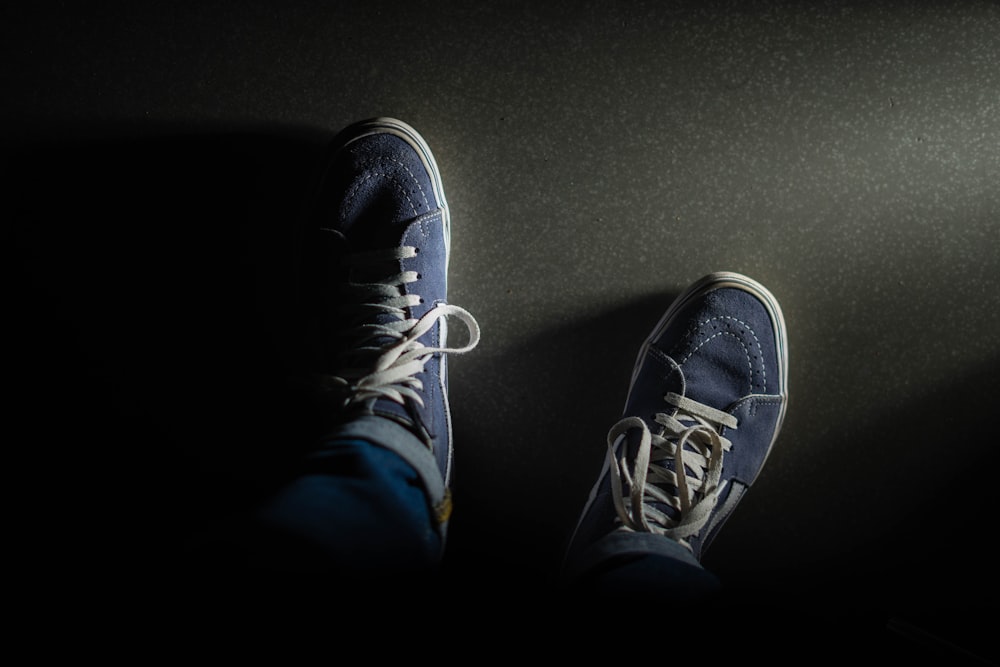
{"type": "Point", "coordinates": [705, 405]}
{"type": "Point", "coordinates": [383, 216]}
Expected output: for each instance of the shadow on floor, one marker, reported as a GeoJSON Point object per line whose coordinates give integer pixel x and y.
{"type": "Point", "coordinates": [523, 474]}
{"type": "Point", "coordinates": [156, 325]}
{"type": "Point", "coordinates": [156, 318]}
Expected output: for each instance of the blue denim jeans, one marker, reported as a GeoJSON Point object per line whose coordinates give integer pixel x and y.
{"type": "Point", "coordinates": [360, 511]}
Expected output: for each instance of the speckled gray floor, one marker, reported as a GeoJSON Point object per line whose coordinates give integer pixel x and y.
{"type": "Point", "coordinates": [598, 158]}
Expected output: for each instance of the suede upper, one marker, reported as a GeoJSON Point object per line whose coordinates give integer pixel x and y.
{"type": "Point", "coordinates": [379, 193]}
{"type": "Point", "coordinates": [722, 345]}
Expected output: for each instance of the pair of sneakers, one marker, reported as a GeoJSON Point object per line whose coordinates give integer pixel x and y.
{"type": "Point", "coordinates": [707, 395]}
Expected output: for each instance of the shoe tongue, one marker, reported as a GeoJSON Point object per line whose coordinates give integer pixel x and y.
{"type": "Point", "coordinates": [396, 411]}
{"type": "Point", "coordinates": [632, 444]}
{"type": "Point", "coordinates": [366, 235]}
{"type": "Point", "coordinates": [656, 458]}
{"type": "Point", "coordinates": [353, 311]}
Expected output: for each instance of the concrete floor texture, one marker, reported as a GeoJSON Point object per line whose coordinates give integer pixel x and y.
{"type": "Point", "coordinates": [598, 158]}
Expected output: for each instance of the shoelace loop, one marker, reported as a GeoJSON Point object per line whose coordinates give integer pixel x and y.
{"type": "Point", "coordinates": [679, 467]}
{"type": "Point", "coordinates": [382, 352]}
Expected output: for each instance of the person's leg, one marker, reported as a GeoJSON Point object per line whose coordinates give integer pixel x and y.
{"type": "Point", "coordinates": [705, 405]}
{"type": "Point", "coordinates": [370, 504]}
{"type": "Point", "coordinates": [353, 507]}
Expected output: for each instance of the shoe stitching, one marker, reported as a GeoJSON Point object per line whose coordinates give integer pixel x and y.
{"type": "Point", "coordinates": [415, 181]}
{"type": "Point", "coordinates": [738, 321]}
{"type": "Point", "coordinates": [424, 226]}
{"type": "Point", "coordinates": [756, 340]}
{"type": "Point", "coordinates": [746, 350]}
{"type": "Point", "coordinates": [758, 401]}
{"type": "Point", "coordinates": [392, 179]}
{"type": "Point", "coordinates": [671, 366]}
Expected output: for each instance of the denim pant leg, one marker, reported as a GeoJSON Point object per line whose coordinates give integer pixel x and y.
{"type": "Point", "coordinates": [634, 565]}
{"type": "Point", "coordinates": [364, 508]}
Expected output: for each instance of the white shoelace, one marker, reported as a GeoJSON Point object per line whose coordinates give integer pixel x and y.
{"type": "Point", "coordinates": [691, 444]}
{"type": "Point", "coordinates": [385, 353]}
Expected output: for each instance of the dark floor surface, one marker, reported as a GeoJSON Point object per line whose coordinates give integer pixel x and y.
{"type": "Point", "coordinates": [598, 157]}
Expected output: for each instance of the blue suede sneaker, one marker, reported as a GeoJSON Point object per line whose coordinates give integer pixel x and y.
{"type": "Point", "coordinates": [382, 210]}
{"type": "Point", "coordinates": [705, 405]}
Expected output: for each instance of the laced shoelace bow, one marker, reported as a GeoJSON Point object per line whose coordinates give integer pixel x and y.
{"type": "Point", "coordinates": [383, 355]}
{"type": "Point", "coordinates": [679, 467]}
